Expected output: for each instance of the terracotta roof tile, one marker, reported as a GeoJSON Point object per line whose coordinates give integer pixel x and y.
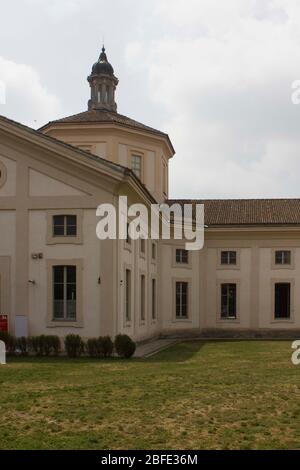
{"type": "Point", "coordinates": [104, 116]}
{"type": "Point", "coordinates": [219, 212]}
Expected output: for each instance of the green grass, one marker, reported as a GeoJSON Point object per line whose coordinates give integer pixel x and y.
{"type": "Point", "coordinates": [213, 395]}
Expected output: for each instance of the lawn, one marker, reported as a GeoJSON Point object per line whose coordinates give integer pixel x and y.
{"type": "Point", "coordinates": [210, 395]}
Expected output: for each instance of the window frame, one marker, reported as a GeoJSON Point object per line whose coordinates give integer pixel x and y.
{"type": "Point", "coordinates": [52, 239]}
{"type": "Point", "coordinates": [290, 265]}
{"type": "Point", "coordinates": [3, 174]}
{"type": "Point", "coordinates": [127, 296]}
{"type": "Point", "coordinates": [228, 285]}
{"type": "Point", "coordinates": [51, 321]}
{"type": "Point", "coordinates": [65, 225]}
{"type": "Point", "coordinates": [136, 155]}
{"type": "Point", "coordinates": [142, 299]}
{"type": "Point", "coordinates": [64, 283]}
{"type": "Point", "coordinates": [142, 247]}
{"type": "Point", "coordinates": [176, 264]}
{"type": "Point", "coordinates": [188, 318]}
{"type": "Point", "coordinates": [219, 318]}
{"type": "Point", "coordinates": [153, 247]}
{"type": "Point", "coordinates": [235, 266]}
{"type": "Point", "coordinates": [153, 299]}
{"type": "Point", "coordinates": [282, 280]}
{"type": "Point", "coordinates": [179, 259]}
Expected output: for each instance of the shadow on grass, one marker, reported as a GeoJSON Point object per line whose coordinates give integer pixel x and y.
{"type": "Point", "coordinates": [178, 352]}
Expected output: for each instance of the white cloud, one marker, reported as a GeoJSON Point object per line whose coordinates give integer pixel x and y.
{"type": "Point", "coordinates": [224, 74]}
{"type": "Point", "coordinates": [26, 100]}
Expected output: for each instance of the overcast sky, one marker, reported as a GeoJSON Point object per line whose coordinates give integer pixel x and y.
{"type": "Point", "coordinates": [215, 75]}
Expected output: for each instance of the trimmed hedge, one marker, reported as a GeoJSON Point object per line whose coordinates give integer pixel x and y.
{"type": "Point", "coordinates": [74, 345]}
{"type": "Point", "coordinates": [124, 346]}
{"type": "Point", "coordinates": [46, 345]}
{"type": "Point", "coordinates": [100, 347]}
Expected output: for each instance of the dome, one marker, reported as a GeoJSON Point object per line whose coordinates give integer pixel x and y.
{"type": "Point", "coordinates": [102, 66]}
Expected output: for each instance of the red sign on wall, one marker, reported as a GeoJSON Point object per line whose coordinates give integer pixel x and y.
{"type": "Point", "coordinates": [4, 323]}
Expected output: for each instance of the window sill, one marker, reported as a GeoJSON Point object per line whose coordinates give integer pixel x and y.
{"type": "Point", "coordinates": [232, 267]}
{"type": "Point", "coordinates": [182, 320]}
{"type": "Point", "coordinates": [283, 320]}
{"type": "Point", "coordinates": [228, 320]}
{"type": "Point", "coordinates": [64, 323]}
{"type": "Point", "coordinates": [64, 241]}
{"type": "Point", "coordinates": [282, 266]}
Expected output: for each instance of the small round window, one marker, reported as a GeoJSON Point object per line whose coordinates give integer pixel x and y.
{"type": "Point", "coordinates": [2, 174]}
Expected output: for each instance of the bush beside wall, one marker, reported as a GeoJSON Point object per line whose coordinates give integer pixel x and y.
{"type": "Point", "coordinates": [124, 345]}
{"type": "Point", "coordinates": [46, 345]}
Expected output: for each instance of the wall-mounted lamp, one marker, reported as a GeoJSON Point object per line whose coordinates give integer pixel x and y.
{"type": "Point", "coordinates": [32, 281]}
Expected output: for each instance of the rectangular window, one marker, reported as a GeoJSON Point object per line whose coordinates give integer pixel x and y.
{"type": "Point", "coordinates": [282, 257]}
{"type": "Point", "coordinates": [64, 225]}
{"type": "Point", "coordinates": [64, 293]}
{"type": "Point", "coordinates": [136, 165]}
{"type": "Point", "coordinates": [182, 256]}
{"type": "Point", "coordinates": [228, 301]}
{"type": "Point", "coordinates": [143, 245]}
{"type": "Point", "coordinates": [282, 300]}
{"type": "Point", "coordinates": [128, 239]}
{"type": "Point", "coordinates": [153, 299]}
{"type": "Point", "coordinates": [181, 300]}
{"type": "Point", "coordinates": [128, 295]}
{"type": "Point", "coordinates": [153, 251]}
{"type": "Point", "coordinates": [142, 297]}
{"type": "Point", "coordinates": [165, 179]}
{"type": "Point", "coordinates": [228, 257]}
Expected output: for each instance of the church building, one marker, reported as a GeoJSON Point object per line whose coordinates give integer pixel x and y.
{"type": "Point", "coordinates": [57, 277]}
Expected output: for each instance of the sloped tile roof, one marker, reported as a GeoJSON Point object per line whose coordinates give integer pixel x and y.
{"type": "Point", "coordinates": [104, 116]}
{"type": "Point", "coordinates": [226, 212]}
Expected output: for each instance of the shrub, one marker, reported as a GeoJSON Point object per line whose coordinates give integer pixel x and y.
{"type": "Point", "coordinates": [92, 347]}
{"type": "Point", "coordinates": [55, 344]}
{"type": "Point", "coordinates": [44, 345]}
{"type": "Point", "coordinates": [124, 345]}
{"type": "Point", "coordinates": [106, 346]}
{"type": "Point", "coordinates": [9, 340]}
{"type": "Point", "coordinates": [100, 347]}
{"type": "Point", "coordinates": [34, 344]}
{"type": "Point", "coordinates": [22, 344]}
{"type": "Point", "coordinates": [74, 345]}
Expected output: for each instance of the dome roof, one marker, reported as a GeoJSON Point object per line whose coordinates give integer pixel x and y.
{"type": "Point", "coordinates": [102, 65]}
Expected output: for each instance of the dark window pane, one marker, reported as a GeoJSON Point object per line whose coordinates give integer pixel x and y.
{"type": "Point", "coordinates": [58, 225]}
{"type": "Point", "coordinates": [58, 309]}
{"type": "Point", "coordinates": [58, 230]}
{"type": "Point", "coordinates": [228, 300]}
{"type": "Point", "coordinates": [71, 291]}
{"type": "Point", "coordinates": [71, 225]}
{"type": "Point", "coordinates": [71, 274]}
{"type": "Point", "coordinates": [71, 230]}
{"type": "Point", "coordinates": [71, 309]}
{"type": "Point", "coordinates": [232, 257]}
{"type": "Point", "coordinates": [58, 274]}
{"type": "Point", "coordinates": [182, 256]}
{"type": "Point", "coordinates": [228, 257]}
{"type": "Point", "coordinates": [283, 257]}
{"type": "Point", "coordinates": [181, 299]}
{"type": "Point", "coordinates": [58, 292]}
{"type": "Point", "coordinates": [282, 300]}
